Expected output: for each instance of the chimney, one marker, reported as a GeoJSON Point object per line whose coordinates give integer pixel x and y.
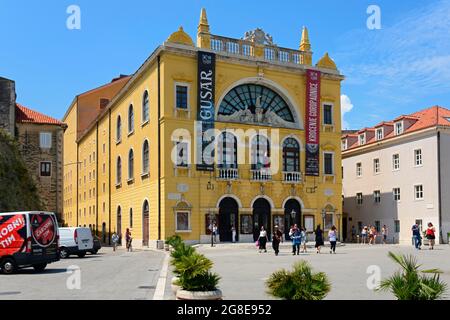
{"type": "Point", "coordinates": [7, 105]}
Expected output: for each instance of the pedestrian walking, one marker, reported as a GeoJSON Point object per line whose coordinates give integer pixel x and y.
{"type": "Point", "coordinates": [371, 233]}
{"type": "Point", "coordinates": [128, 240]}
{"type": "Point", "coordinates": [303, 240]}
{"type": "Point", "coordinates": [417, 238]}
{"type": "Point", "coordinates": [374, 235]}
{"type": "Point", "coordinates": [115, 240]}
{"type": "Point", "coordinates": [214, 232]}
{"type": "Point", "coordinates": [332, 237]}
{"type": "Point", "coordinates": [277, 237]}
{"type": "Point", "coordinates": [233, 234]}
{"type": "Point", "coordinates": [431, 235]}
{"type": "Point", "coordinates": [384, 233]}
{"type": "Point", "coordinates": [319, 238]}
{"type": "Point", "coordinates": [262, 239]}
{"type": "Point", "coordinates": [296, 240]}
{"type": "Point", "coordinates": [353, 234]}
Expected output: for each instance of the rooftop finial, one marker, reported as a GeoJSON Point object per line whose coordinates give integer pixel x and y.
{"type": "Point", "coordinates": [203, 35]}
{"type": "Point", "coordinates": [203, 17]}
{"type": "Point", "coordinates": [305, 38]}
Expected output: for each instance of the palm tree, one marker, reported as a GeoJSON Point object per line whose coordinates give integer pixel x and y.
{"type": "Point", "coordinates": [410, 284]}
{"type": "Point", "coordinates": [300, 284]}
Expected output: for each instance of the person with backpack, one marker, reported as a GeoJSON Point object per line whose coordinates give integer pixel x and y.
{"type": "Point", "coordinates": [332, 236]}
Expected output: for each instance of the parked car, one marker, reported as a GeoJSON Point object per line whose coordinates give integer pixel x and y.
{"type": "Point", "coordinates": [97, 245]}
{"type": "Point", "coordinates": [28, 239]}
{"type": "Point", "coordinates": [75, 241]}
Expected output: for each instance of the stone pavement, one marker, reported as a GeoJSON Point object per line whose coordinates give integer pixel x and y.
{"type": "Point", "coordinates": [243, 270]}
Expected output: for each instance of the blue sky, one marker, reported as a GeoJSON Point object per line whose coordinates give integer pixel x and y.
{"type": "Point", "coordinates": [402, 68]}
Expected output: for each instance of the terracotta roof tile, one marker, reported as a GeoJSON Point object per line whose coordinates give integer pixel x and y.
{"type": "Point", "coordinates": [427, 118]}
{"type": "Point", "coordinates": [26, 115]}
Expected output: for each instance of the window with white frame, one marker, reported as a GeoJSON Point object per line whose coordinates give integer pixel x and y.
{"type": "Point", "coordinates": [376, 165]}
{"type": "Point", "coordinates": [359, 169]}
{"type": "Point", "coordinates": [181, 96]}
{"type": "Point", "coordinates": [396, 194]}
{"type": "Point", "coordinates": [145, 107]}
{"type": "Point", "coordinates": [418, 157]}
{"type": "Point", "coordinates": [377, 196]}
{"type": "Point", "coordinates": [328, 163]}
{"type": "Point", "coordinates": [398, 128]}
{"type": "Point", "coordinates": [45, 169]}
{"type": "Point", "coordinates": [359, 198]}
{"type": "Point", "coordinates": [396, 161]}
{"type": "Point", "coordinates": [418, 192]}
{"type": "Point", "coordinates": [119, 129]}
{"type": "Point", "coordinates": [362, 139]}
{"type": "Point", "coordinates": [379, 134]}
{"type": "Point", "coordinates": [328, 114]}
{"type": "Point", "coordinates": [183, 220]}
{"type": "Point", "coordinates": [145, 157]}
{"type": "Point", "coordinates": [118, 170]}
{"type": "Point", "coordinates": [131, 164]}
{"type": "Point", "coordinates": [45, 140]}
{"type": "Point", "coordinates": [130, 119]}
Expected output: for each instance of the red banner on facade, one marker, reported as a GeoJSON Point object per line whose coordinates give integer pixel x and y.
{"type": "Point", "coordinates": [312, 122]}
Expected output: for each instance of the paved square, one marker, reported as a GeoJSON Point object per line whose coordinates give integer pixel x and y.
{"type": "Point", "coordinates": [244, 270]}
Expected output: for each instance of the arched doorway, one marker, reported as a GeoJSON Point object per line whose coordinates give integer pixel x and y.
{"type": "Point", "coordinates": [261, 217]}
{"type": "Point", "coordinates": [119, 223]}
{"type": "Point", "coordinates": [145, 224]}
{"type": "Point", "coordinates": [228, 217]}
{"type": "Point", "coordinates": [292, 215]}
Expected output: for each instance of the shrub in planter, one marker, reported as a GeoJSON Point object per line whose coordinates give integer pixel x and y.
{"type": "Point", "coordinates": [411, 283]}
{"type": "Point", "coordinates": [196, 279]}
{"type": "Point", "coordinates": [299, 284]}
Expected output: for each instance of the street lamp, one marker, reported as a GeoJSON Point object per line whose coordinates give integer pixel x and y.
{"type": "Point", "coordinates": [293, 213]}
{"type": "Point", "coordinates": [323, 218]}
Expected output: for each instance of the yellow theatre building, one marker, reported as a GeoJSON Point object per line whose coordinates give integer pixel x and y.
{"type": "Point", "coordinates": [238, 132]}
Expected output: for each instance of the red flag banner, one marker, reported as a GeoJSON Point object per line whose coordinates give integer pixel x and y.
{"type": "Point", "coordinates": [312, 122]}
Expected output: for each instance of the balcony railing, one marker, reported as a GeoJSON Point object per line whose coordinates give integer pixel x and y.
{"type": "Point", "coordinates": [292, 177]}
{"type": "Point", "coordinates": [261, 175]}
{"type": "Point", "coordinates": [247, 48]}
{"type": "Point", "coordinates": [228, 174]}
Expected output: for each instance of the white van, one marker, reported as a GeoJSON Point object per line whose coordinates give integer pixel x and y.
{"type": "Point", "coordinates": [76, 241]}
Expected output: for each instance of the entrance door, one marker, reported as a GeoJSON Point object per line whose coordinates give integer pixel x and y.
{"type": "Point", "coordinates": [145, 224]}
{"type": "Point", "coordinates": [261, 217]}
{"type": "Point", "coordinates": [228, 217]}
{"type": "Point", "coordinates": [119, 224]}
{"type": "Point", "coordinates": [344, 229]}
{"type": "Point", "coordinates": [291, 205]}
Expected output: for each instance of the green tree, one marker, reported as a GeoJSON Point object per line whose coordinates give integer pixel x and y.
{"type": "Point", "coordinates": [18, 191]}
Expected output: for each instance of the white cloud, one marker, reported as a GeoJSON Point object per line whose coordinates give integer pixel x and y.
{"type": "Point", "coordinates": [346, 106]}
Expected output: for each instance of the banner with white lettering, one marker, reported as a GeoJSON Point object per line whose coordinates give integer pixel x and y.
{"type": "Point", "coordinates": [312, 122]}
{"type": "Point", "coordinates": [13, 233]}
{"type": "Point", "coordinates": [205, 110]}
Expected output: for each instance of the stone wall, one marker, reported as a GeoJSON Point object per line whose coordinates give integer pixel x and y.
{"type": "Point", "coordinates": [50, 188]}
{"type": "Point", "coordinates": [7, 105]}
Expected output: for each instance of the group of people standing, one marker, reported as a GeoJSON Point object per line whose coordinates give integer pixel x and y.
{"type": "Point", "coordinates": [369, 234]}
{"type": "Point", "coordinates": [128, 240]}
{"type": "Point", "coordinates": [430, 234]}
{"type": "Point", "coordinates": [299, 239]}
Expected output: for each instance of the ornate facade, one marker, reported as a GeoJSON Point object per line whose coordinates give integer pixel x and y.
{"type": "Point", "coordinates": [137, 157]}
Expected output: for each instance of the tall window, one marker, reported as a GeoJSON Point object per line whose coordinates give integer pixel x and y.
{"type": "Point", "coordinates": [145, 107]}
{"type": "Point", "coordinates": [362, 139]}
{"type": "Point", "coordinates": [45, 140]}
{"type": "Point", "coordinates": [145, 157]}
{"type": "Point", "coordinates": [376, 165]}
{"type": "Point", "coordinates": [130, 164]}
{"type": "Point", "coordinates": [182, 154]}
{"type": "Point", "coordinates": [328, 163]}
{"type": "Point", "coordinates": [327, 114]}
{"type": "Point", "coordinates": [398, 128]}
{"type": "Point", "coordinates": [359, 169]}
{"type": "Point", "coordinates": [131, 217]}
{"type": "Point", "coordinates": [396, 193]}
{"type": "Point", "coordinates": [119, 170]}
{"type": "Point", "coordinates": [130, 119]}
{"type": "Point", "coordinates": [227, 150]}
{"type": "Point", "coordinates": [344, 144]}
{"type": "Point", "coordinates": [418, 192]}
{"type": "Point", "coordinates": [45, 169]}
{"type": "Point", "coordinates": [260, 152]}
{"type": "Point", "coordinates": [182, 97]}
{"type": "Point", "coordinates": [418, 157]}
{"type": "Point", "coordinates": [291, 155]}
{"type": "Point", "coordinates": [359, 198]}
{"type": "Point", "coordinates": [379, 134]}
{"type": "Point", "coordinates": [396, 162]}
{"type": "Point", "coordinates": [377, 196]}
{"type": "Point", "coordinates": [397, 226]}
{"type": "Point", "coordinates": [119, 129]}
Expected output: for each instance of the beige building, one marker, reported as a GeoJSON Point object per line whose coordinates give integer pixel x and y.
{"type": "Point", "coordinates": [397, 173]}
